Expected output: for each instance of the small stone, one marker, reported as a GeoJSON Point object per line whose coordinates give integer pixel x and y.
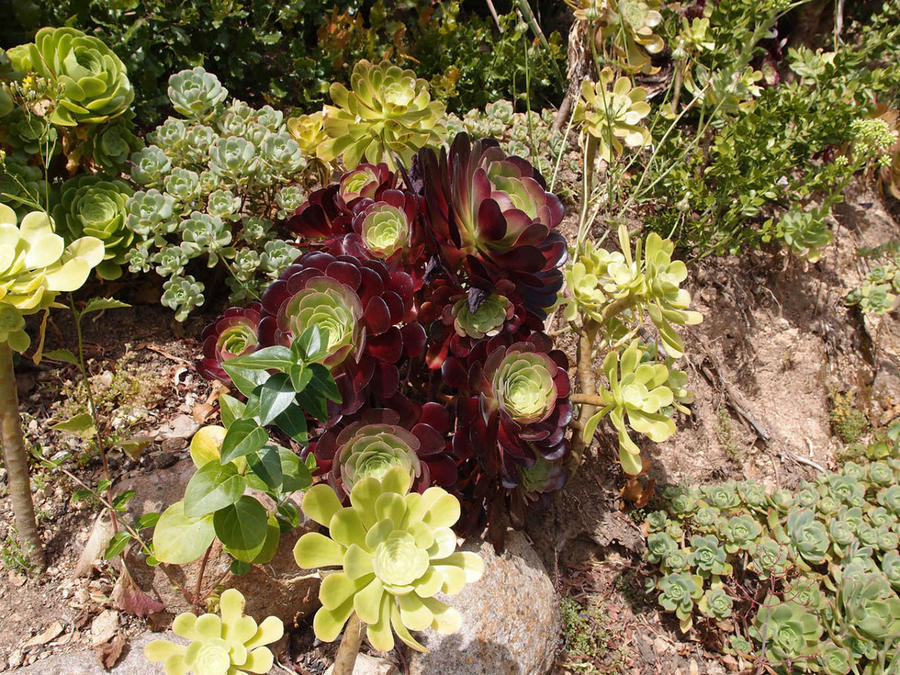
{"type": "Point", "coordinates": [15, 658]}
{"type": "Point", "coordinates": [661, 645]}
{"type": "Point", "coordinates": [104, 627]}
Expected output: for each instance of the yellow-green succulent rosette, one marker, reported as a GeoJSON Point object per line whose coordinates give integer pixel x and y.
{"type": "Point", "coordinates": [228, 643]}
{"type": "Point", "coordinates": [396, 552]}
{"type": "Point", "coordinates": [36, 265]}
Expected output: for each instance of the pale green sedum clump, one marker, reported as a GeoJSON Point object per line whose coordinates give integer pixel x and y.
{"type": "Point", "coordinates": [396, 551]}
{"type": "Point", "coordinates": [228, 644]}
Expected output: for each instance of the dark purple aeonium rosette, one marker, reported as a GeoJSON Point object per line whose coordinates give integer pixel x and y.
{"type": "Point", "coordinates": [328, 213]}
{"type": "Point", "coordinates": [235, 333]}
{"type": "Point", "coordinates": [493, 218]}
{"type": "Point", "coordinates": [360, 304]}
{"type": "Point", "coordinates": [377, 439]}
{"type": "Point", "coordinates": [512, 425]}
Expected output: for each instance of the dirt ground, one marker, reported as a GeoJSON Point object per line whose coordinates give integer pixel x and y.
{"type": "Point", "coordinates": [775, 343]}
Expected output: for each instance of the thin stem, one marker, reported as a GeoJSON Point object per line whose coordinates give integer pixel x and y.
{"type": "Point", "coordinates": [588, 386]}
{"type": "Point", "coordinates": [16, 459]}
{"type": "Point", "coordinates": [144, 546]}
{"type": "Point", "coordinates": [345, 658]}
{"type": "Point", "coordinates": [98, 437]}
{"type": "Point", "coordinates": [199, 586]}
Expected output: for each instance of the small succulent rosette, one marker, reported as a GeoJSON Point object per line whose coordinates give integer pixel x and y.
{"type": "Point", "coordinates": [225, 644]}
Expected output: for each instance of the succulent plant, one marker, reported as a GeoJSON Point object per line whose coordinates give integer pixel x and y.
{"type": "Point", "coordinates": [637, 393]}
{"type": "Point", "coordinates": [770, 559]}
{"type": "Point", "coordinates": [94, 81]}
{"type": "Point", "coordinates": [387, 112]}
{"type": "Point", "coordinates": [494, 218]}
{"type": "Point", "coordinates": [716, 603]}
{"type": "Point", "coordinates": [519, 411]}
{"type": "Point", "coordinates": [790, 630]}
{"type": "Point", "coordinates": [95, 206]}
{"type": "Point", "coordinates": [281, 154]}
{"type": "Point", "coordinates": [659, 546]}
{"type": "Point", "coordinates": [629, 25]}
{"type": "Point", "coordinates": [182, 295]}
{"type": "Point", "coordinates": [233, 157]}
{"type": "Point", "coordinates": [678, 591]}
{"type": "Point", "coordinates": [170, 136]}
{"type": "Point", "coordinates": [150, 166]}
{"type": "Point", "coordinates": [29, 133]}
{"type": "Point", "coordinates": [36, 265]}
{"type": "Point", "coordinates": [309, 132]}
{"type": "Point", "coordinates": [613, 116]}
{"type": "Point", "coordinates": [111, 144]}
{"type": "Point", "coordinates": [708, 556]}
{"type": "Point", "coordinates": [224, 644]}
{"type": "Point", "coordinates": [235, 333]}
{"type": "Point", "coordinates": [806, 232]}
{"type": "Point", "coordinates": [184, 186]}
{"type": "Point", "coordinates": [196, 94]}
{"type": "Point", "coordinates": [872, 607]}
{"type": "Point", "coordinates": [205, 234]}
{"type": "Point", "coordinates": [835, 660]}
{"type": "Point", "coordinates": [396, 551]}
{"type": "Point", "coordinates": [742, 530]}
{"type": "Point", "coordinates": [808, 535]}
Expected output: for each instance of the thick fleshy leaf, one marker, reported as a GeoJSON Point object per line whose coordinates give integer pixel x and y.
{"type": "Point", "coordinates": [337, 588]}
{"type": "Point", "coordinates": [315, 550]}
{"type": "Point", "coordinates": [379, 633]}
{"type": "Point", "coordinates": [367, 602]}
{"type": "Point", "coordinates": [320, 503]}
{"type": "Point", "coordinates": [328, 623]}
{"type": "Point", "coordinates": [357, 562]}
{"type": "Point", "coordinates": [403, 632]}
{"type": "Point", "coordinates": [347, 528]}
{"type": "Point", "coordinates": [414, 613]}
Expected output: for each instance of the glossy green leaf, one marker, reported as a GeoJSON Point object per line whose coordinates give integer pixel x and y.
{"type": "Point", "coordinates": [275, 395]}
{"type": "Point", "coordinates": [243, 437]}
{"type": "Point", "coordinates": [242, 528]}
{"type": "Point", "coordinates": [178, 539]}
{"type": "Point", "coordinates": [292, 421]}
{"type": "Point", "coordinates": [213, 487]}
{"type": "Point", "coordinates": [266, 465]}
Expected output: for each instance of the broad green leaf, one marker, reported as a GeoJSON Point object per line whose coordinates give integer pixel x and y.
{"type": "Point", "coordinates": [270, 545]}
{"type": "Point", "coordinates": [313, 402]}
{"type": "Point", "coordinates": [99, 304]}
{"type": "Point", "coordinates": [178, 539]}
{"type": "Point", "coordinates": [275, 395]}
{"type": "Point", "coordinates": [213, 487]}
{"type": "Point", "coordinates": [122, 500]}
{"type": "Point", "coordinates": [245, 379]}
{"type": "Point", "coordinates": [289, 514]}
{"type": "Point", "coordinates": [295, 474]}
{"type": "Point", "coordinates": [206, 445]}
{"type": "Point", "coordinates": [293, 422]}
{"type": "Point", "coordinates": [266, 465]}
{"type": "Point", "coordinates": [243, 438]}
{"type": "Point", "coordinates": [277, 357]}
{"type": "Point", "coordinates": [300, 376]}
{"type": "Point", "coordinates": [230, 409]}
{"type": "Point", "coordinates": [242, 528]}
{"type": "Point", "coordinates": [146, 520]}
{"type": "Point", "coordinates": [81, 425]}
{"type": "Point", "coordinates": [323, 383]}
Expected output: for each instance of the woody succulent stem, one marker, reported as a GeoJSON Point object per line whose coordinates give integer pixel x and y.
{"type": "Point", "coordinates": [345, 658]}
{"type": "Point", "coordinates": [585, 377]}
{"type": "Point", "coordinates": [16, 460]}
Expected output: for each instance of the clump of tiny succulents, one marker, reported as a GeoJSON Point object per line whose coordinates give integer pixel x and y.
{"type": "Point", "coordinates": [879, 290]}
{"type": "Point", "coordinates": [530, 135]}
{"type": "Point", "coordinates": [228, 642]}
{"type": "Point", "coordinates": [813, 574]}
{"type": "Point", "coordinates": [68, 93]}
{"type": "Point", "coordinates": [212, 182]}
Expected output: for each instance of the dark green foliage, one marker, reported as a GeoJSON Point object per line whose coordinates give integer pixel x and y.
{"type": "Point", "coordinates": [289, 53]}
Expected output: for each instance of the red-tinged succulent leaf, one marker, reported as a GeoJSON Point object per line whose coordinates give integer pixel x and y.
{"type": "Point", "coordinates": [234, 334]}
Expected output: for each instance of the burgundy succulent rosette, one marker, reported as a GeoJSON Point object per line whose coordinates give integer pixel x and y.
{"type": "Point", "coordinates": [383, 437]}
{"type": "Point", "coordinates": [367, 311]}
{"type": "Point", "coordinates": [493, 219]}
{"type": "Point", "coordinates": [234, 334]}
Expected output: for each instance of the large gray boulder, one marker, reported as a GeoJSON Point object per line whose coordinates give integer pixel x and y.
{"type": "Point", "coordinates": [510, 619]}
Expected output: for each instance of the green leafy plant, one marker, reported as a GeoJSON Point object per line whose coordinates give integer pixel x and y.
{"type": "Point", "coordinates": [396, 551]}
{"type": "Point", "coordinates": [282, 385]}
{"type": "Point", "coordinates": [612, 117]}
{"type": "Point", "coordinates": [222, 644]}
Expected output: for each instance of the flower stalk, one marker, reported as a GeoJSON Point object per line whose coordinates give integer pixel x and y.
{"type": "Point", "coordinates": [345, 658]}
